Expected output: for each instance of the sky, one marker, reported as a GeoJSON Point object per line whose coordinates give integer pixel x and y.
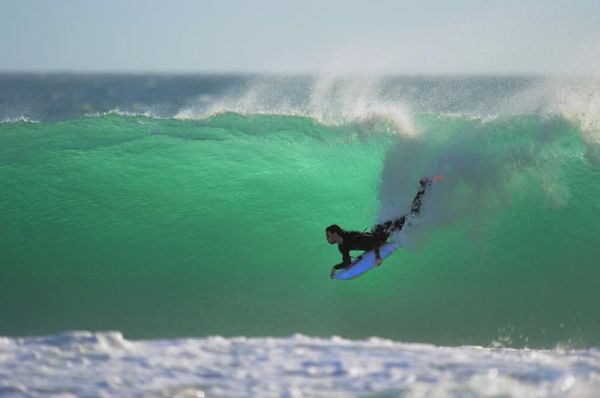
{"type": "Point", "coordinates": [337, 36]}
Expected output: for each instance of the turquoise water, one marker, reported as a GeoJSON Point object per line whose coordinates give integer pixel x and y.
{"type": "Point", "coordinates": [170, 227]}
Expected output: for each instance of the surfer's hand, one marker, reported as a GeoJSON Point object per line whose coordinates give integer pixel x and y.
{"type": "Point", "coordinates": [378, 262]}
{"type": "Point", "coordinates": [332, 272]}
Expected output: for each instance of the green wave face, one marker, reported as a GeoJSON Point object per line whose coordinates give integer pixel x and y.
{"type": "Point", "coordinates": [163, 228]}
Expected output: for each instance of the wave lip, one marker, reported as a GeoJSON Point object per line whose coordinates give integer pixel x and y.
{"type": "Point", "coordinates": [88, 363]}
{"type": "Point", "coordinates": [19, 119]}
{"type": "Point", "coordinates": [116, 111]}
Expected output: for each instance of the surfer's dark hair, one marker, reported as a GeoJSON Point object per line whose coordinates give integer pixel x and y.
{"type": "Point", "coordinates": [335, 229]}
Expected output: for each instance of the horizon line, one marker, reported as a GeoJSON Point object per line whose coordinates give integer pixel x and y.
{"type": "Point", "coordinates": [292, 73]}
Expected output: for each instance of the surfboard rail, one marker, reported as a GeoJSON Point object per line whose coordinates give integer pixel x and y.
{"type": "Point", "coordinates": [365, 262]}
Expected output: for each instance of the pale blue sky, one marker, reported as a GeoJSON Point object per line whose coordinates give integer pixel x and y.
{"type": "Point", "coordinates": [461, 36]}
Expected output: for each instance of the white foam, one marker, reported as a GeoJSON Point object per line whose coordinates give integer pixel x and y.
{"type": "Point", "coordinates": [18, 119]}
{"type": "Point", "coordinates": [105, 364]}
{"type": "Point", "coordinates": [119, 112]}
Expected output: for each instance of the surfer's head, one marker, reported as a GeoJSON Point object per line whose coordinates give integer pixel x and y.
{"type": "Point", "coordinates": [334, 234]}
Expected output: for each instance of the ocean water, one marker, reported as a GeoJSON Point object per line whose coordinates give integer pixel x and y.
{"type": "Point", "coordinates": [173, 226]}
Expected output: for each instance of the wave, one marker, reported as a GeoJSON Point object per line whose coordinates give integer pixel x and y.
{"type": "Point", "coordinates": [165, 224]}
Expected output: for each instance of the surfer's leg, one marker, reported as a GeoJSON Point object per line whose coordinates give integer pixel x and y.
{"type": "Point", "coordinates": [384, 230]}
{"type": "Point", "coordinates": [389, 227]}
{"type": "Point", "coordinates": [397, 224]}
{"type": "Point", "coordinates": [415, 208]}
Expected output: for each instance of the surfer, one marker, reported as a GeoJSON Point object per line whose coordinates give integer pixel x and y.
{"type": "Point", "coordinates": [355, 240]}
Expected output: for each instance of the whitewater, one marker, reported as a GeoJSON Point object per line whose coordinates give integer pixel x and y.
{"type": "Point", "coordinates": [164, 235]}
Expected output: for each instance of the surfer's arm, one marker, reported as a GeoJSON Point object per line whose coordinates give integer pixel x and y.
{"type": "Point", "coordinates": [335, 268]}
{"type": "Point", "coordinates": [378, 259]}
{"type": "Point", "coordinates": [377, 254]}
{"type": "Point", "coordinates": [346, 259]}
{"type": "Point", "coordinates": [375, 244]}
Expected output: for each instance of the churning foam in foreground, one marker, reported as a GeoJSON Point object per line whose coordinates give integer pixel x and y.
{"type": "Point", "coordinates": [105, 364]}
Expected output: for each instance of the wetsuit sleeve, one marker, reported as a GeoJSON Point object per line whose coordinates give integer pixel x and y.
{"type": "Point", "coordinates": [377, 254]}
{"type": "Point", "coordinates": [346, 260]}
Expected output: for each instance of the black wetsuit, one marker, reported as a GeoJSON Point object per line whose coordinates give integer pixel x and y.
{"type": "Point", "coordinates": [354, 240]}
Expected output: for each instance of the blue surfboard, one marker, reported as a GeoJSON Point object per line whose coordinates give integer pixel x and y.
{"type": "Point", "coordinates": [365, 262]}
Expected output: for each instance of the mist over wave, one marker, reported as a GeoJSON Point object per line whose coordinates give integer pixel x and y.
{"type": "Point", "coordinates": [483, 163]}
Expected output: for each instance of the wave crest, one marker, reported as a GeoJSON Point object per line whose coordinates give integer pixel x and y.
{"type": "Point", "coordinates": [329, 100]}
